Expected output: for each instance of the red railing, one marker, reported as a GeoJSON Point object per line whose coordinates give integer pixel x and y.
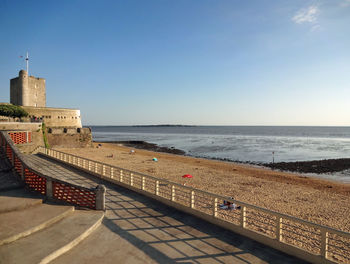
{"type": "Point", "coordinates": [46, 185]}
{"type": "Point", "coordinates": [74, 195]}
{"type": "Point", "coordinates": [34, 181]}
{"type": "Point", "coordinates": [21, 137]}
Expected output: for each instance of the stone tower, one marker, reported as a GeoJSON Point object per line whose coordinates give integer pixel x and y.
{"type": "Point", "coordinates": [27, 90]}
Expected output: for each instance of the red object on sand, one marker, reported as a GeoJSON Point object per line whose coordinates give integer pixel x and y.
{"type": "Point", "coordinates": [187, 176]}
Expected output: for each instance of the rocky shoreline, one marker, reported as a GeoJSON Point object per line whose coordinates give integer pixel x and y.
{"type": "Point", "coordinates": [138, 144]}
{"type": "Point", "coordinates": [314, 166]}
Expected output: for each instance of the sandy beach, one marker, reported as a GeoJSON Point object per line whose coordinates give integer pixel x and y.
{"type": "Point", "coordinates": [319, 201]}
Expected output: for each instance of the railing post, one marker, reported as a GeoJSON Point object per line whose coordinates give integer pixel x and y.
{"type": "Point", "coordinates": [103, 170]}
{"type": "Point", "coordinates": [121, 176]}
{"type": "Point", "coordinates": [95, 167]}
{"type": "Point", "coordinates": [157, 188]}
{"type": "Point", "coordinates": [22, 171]}
{"type": "Point", "coordinates": [100, 197]}
{"type": "Point", "coordinates": [49, 191]}
{"type": "Point", "coordinates": [112, 172]}
{"type": "Point", "coordinates": [324, 243]}
{"type": "Point", "coordinates": [131, 179]}
{"type": "Point", "coordinates": [215, 207]}
{"type": "Point", "coordinates": [173, 193]}
{"type": "Point", "coordinates": [192, 199]}
{"type": "Point", "coordinates": [279, 227]}
{"type": "Point", "coordinates": [143, 182]}
{"type": "Point", "coordinates": [89, 165]}
{"type": "Point", "coordinates": [13, 157]}
{"type": "Point", "coordinates": [243, 216]}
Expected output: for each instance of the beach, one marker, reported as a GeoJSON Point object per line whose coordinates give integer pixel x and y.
{"type": "Point", "coordinates": [319, 201]}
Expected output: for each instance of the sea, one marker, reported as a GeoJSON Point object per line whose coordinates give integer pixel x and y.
{"type": "Point", "coordinates": [254, 144]}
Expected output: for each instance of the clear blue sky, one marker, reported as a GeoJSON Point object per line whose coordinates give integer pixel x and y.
{"type": "Point", "coordinates": [202, 62]}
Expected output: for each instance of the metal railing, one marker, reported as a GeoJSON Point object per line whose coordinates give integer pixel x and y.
{"type": "Point", "coordinates": [306, 240]}
{"type": "Point", "coordinates": [53, 188]}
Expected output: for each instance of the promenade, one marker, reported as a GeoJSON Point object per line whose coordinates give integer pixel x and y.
{"type": "Point", "coordinates": [137, 229]}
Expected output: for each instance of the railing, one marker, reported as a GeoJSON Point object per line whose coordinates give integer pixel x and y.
{"type": "Point", "coordinates": [51, 187]}
{"type": "Point", "coordinates": [306, 240]}
{"type": "Point", "coordinates": [21, 137]}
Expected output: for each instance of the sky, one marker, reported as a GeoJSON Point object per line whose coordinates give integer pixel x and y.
{"type": "Point", "coordinates": [191, 62]}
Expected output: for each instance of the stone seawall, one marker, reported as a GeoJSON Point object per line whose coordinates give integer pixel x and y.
{"type": "Point", "coordinates": [69, 137]}
{"type": "Point", "coordinates": [27, 126]}
{"type": "Point", "coordinates": [57, 137]}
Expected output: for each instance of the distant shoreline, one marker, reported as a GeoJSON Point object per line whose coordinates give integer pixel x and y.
{"type": "Point", "coordinates": [312, 166]}
{"type": "Point", "coordinates": [165, 125]}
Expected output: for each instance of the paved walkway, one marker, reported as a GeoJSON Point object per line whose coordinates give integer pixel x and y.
{"type": "Point", "coordinates": [141, 230]}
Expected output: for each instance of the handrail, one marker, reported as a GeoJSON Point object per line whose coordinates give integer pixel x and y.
{"type": "Point", "coordinates": [53, 188]}
{"type": "Point", "coordinates": [315, 249]}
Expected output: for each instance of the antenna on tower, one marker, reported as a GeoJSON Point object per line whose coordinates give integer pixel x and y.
{"type": "Point", "coordinates": [27, 62]}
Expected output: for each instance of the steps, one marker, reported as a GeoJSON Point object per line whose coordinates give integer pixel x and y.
{"type": "Point", "coordinates": [19, 199]}
{"type": "Point", "coordinates": [33, 232]}
{"type": "Point", "coordinates": [13, 226]}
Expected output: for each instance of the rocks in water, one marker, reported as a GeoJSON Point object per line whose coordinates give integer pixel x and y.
{"type": "Point", "coordinates": [314, 166]}
{"type": "Point", "coordinates": [150, 146]}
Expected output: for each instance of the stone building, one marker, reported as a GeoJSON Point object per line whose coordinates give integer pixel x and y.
{"type": "Point", "coordinates": [30, 93]}
{"type": "Point", "coordinates": [27, 90]}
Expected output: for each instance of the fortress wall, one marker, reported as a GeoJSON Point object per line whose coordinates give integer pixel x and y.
{"type": "Point", "coordinates": [30, 93]}
{"type": "Point", "coordinates": [36, 92]}
{"type": "Point", "coordinates": [36, 135]}
{"type": "Point", "coordinates": [69, 137]}
{"type": "Point", "coordinates": [27, 90]}
{"type": "Point", "coordinates": [15, 91]}
{"type": "Point", "coordinates": [55, 117]}
{"type": "Point", "coordinates": [65, 137]}
{"type": "Point", "coordinates": [37, 140]}
{"type": "Point", "coordinates": [20, 126]}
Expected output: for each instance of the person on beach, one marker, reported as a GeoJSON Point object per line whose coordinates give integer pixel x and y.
{"type": "Point", "coordinates": [229, 206]}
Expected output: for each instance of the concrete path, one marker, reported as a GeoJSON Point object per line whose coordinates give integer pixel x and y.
{"type": "Point", "coordinates": [137, 229]}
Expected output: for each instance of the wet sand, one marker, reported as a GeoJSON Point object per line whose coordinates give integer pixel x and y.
{"type": "Point", "coordinates": [316, 200]}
